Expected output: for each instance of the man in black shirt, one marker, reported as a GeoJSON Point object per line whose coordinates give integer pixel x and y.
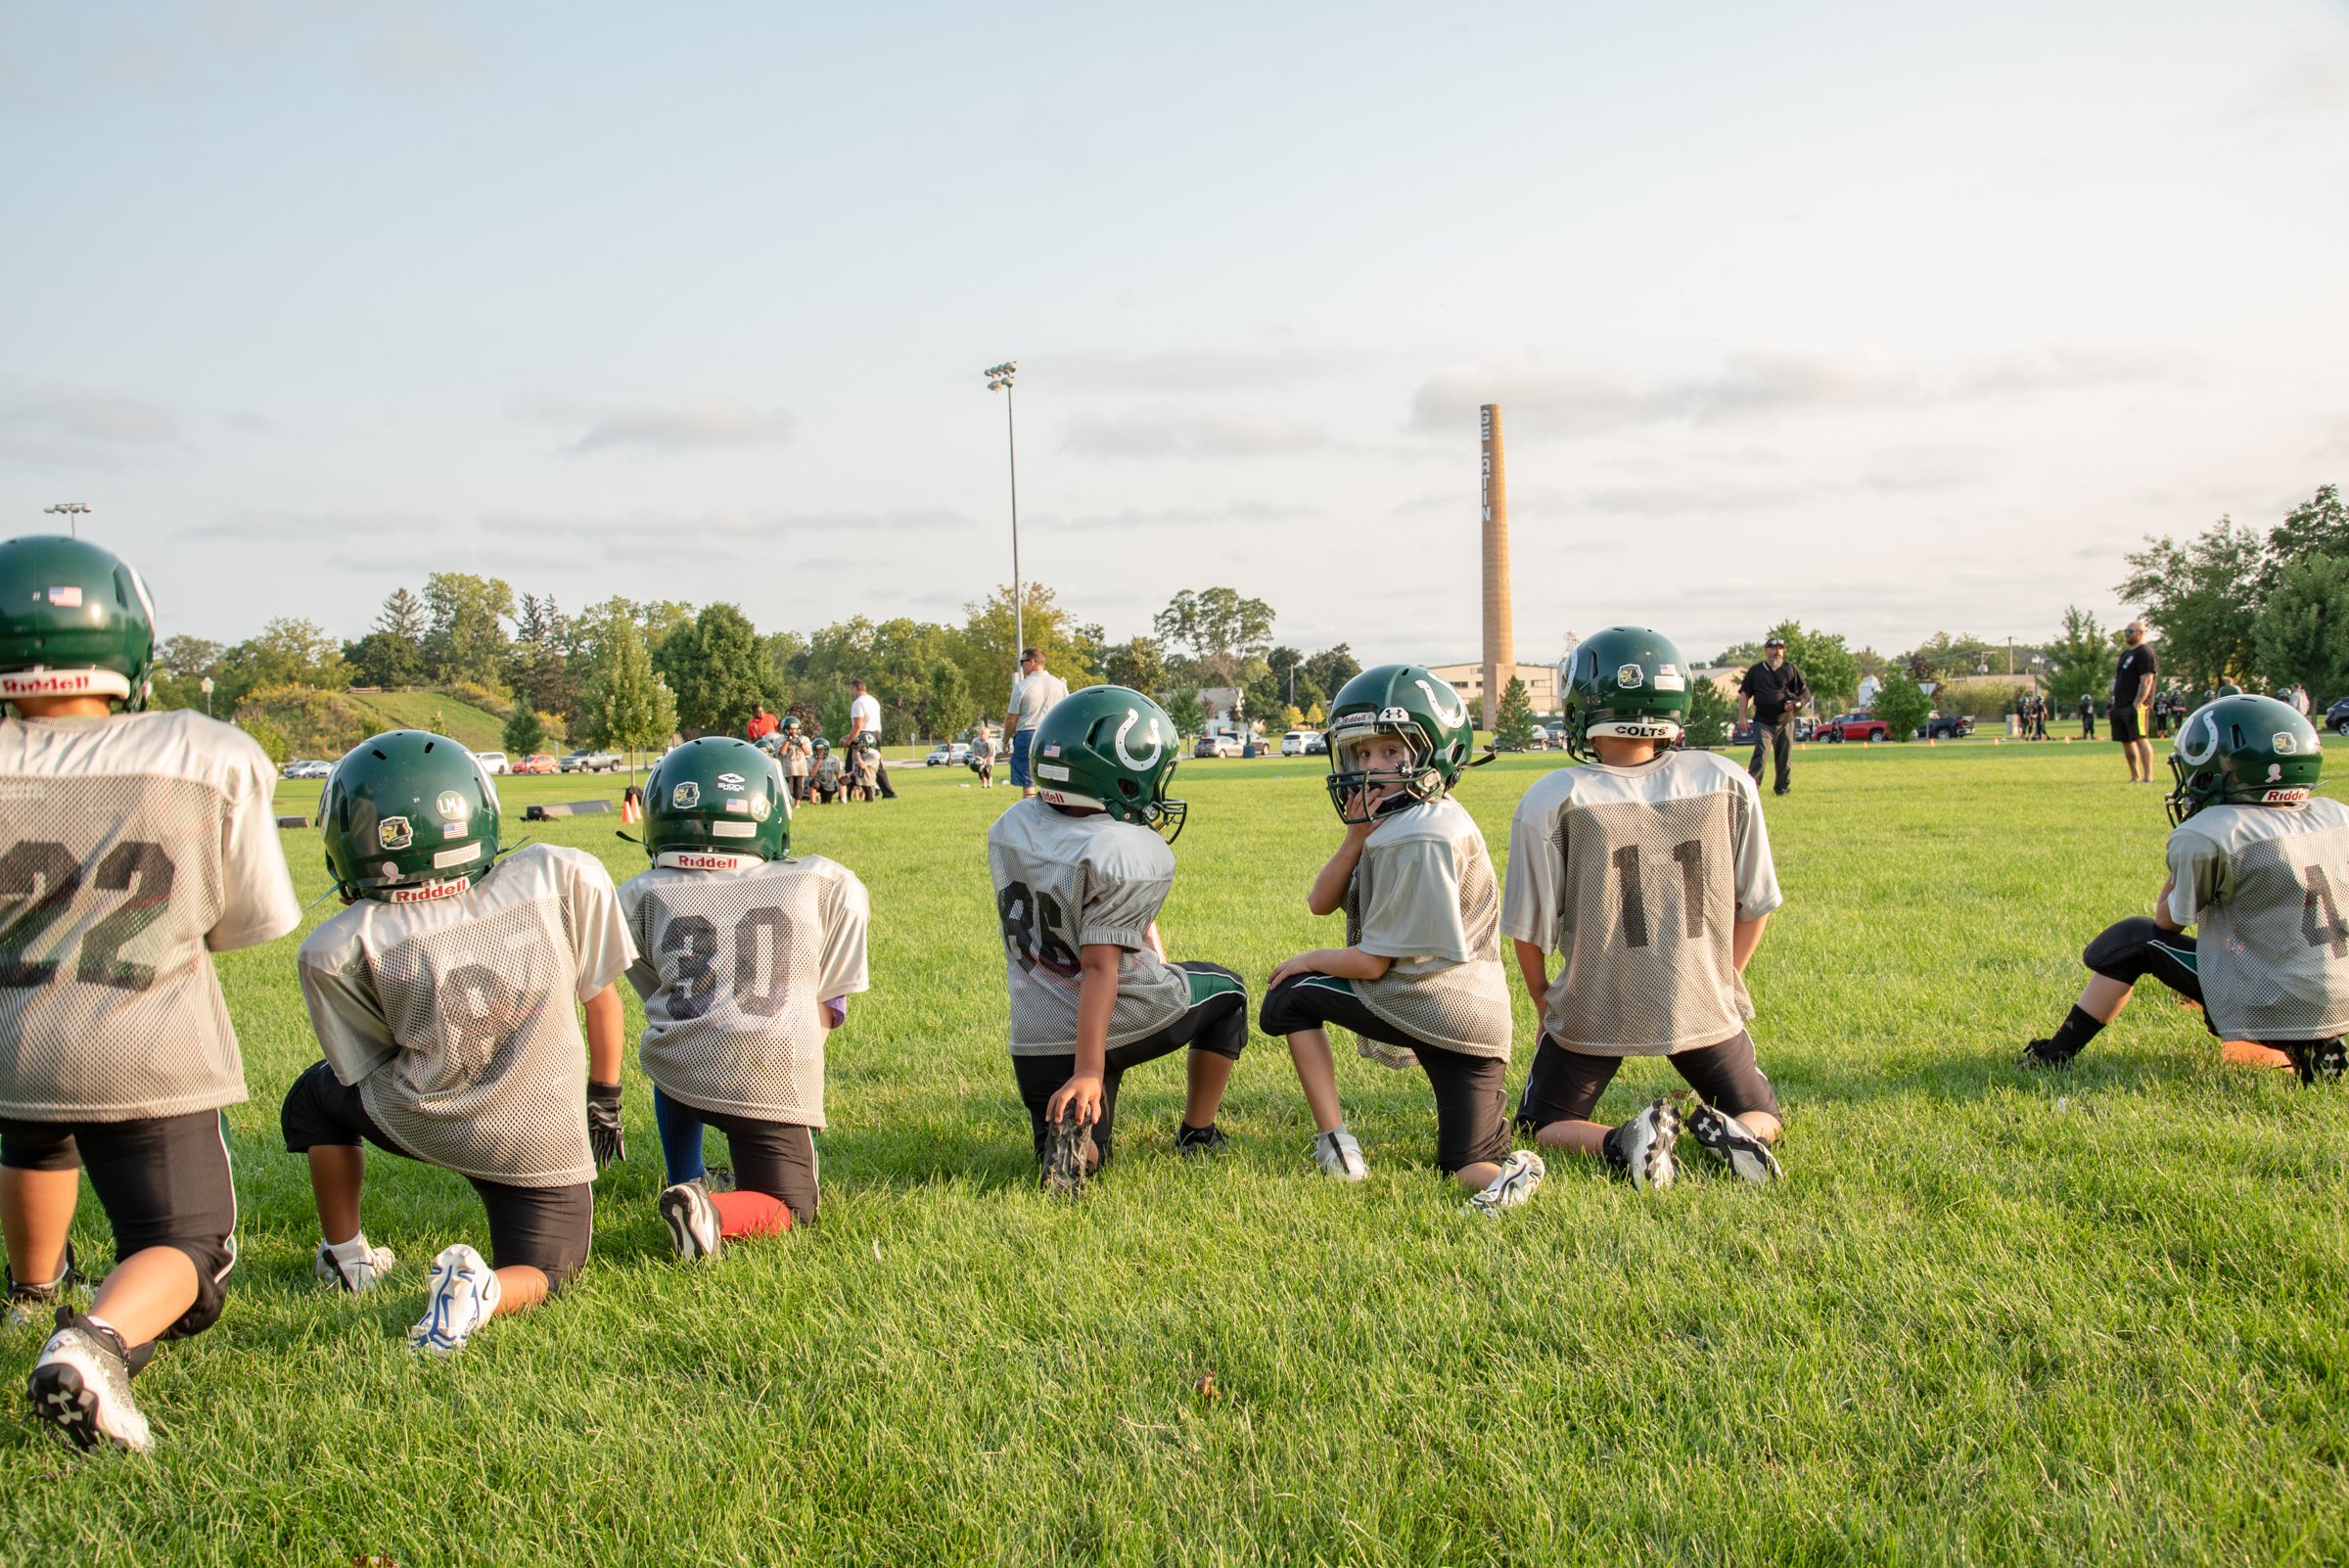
{"type": "Point", "coordinates": [1773, 692]}
{"type": "Point", "coordinates": [2132, 690]}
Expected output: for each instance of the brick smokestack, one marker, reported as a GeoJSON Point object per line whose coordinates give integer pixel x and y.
{"type": "Point", "coordinates": [1500, 635]}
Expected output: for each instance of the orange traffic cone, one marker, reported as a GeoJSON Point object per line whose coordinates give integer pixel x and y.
{"type": "Point", "coordinates": [628, 811]}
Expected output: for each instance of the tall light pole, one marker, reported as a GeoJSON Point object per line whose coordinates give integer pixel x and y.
{"type": "Point", "coordinates": [205, 686]}
{"type": "Point", "coordinates": [72, 512]}
{"type": "Point", "coordinates": [998, 379]}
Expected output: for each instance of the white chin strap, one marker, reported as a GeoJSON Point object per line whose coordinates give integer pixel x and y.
{"type": "Point", "coordinates": [1656, 729]}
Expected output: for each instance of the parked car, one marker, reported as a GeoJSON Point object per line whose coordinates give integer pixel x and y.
{"type": "Point", "coordinates": [306, 767]}
{"type": "Point", "coordinates": [1854, 727]}
{"type": "Point", "coordinates": [1294, 743]}
{"type": "Point", "coordinates": [1216, 746]}
{"type": "Point", "coordinates": [951, 753]}
{"type": "Point", "coordinates": [492, 762]}
{"type": "Point", "coordinates": [2336, 718]}
{"type": "Point", "coordinates": [1316, 744]}
{"type": "Point", "coordinates": [537, 763]}
{"type": "Point", "coordinates": [1946, 726]}
{"type": "Point", "coordinates": [585, 761]}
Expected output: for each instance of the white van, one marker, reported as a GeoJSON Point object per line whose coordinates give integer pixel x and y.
{"type": "Point", "coordinates": [492, 762]}
{"type": "Point", "coordinates": [1299, 742]}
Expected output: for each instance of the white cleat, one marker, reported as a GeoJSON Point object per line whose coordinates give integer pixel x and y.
{"type": "Point", "coordinates": [1644, 1148]}
{"type": "Point", "coordinates": [692, 1221]}
{"type": "Point", "coordinates": [1520, 1175]}
{"type": "Point", "coordinates": [1340, 1156]}
{"type": "Point", "coordinates": [1727, 1139]}
{"type": "Point", "coordinates": [464, 1296]}
{"type": "Point", "coordinates": [358, 1277]}
{"type": "Point", "coordinates": [81, 1386]}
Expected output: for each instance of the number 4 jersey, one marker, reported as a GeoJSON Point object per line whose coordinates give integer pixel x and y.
{"type": "Point", "coordinates": [458, 1018]}
{"type": "Point", "coordinates": [131, 848]}
{"type": "Point", "coordinates": [735, 965]}
{"type": "Point", "coordinates": [1638, 875]}
{"type": "Point", "coordinates": [2267, 887]}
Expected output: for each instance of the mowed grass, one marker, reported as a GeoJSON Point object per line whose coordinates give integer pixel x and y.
{"type": "Point", "coordinates": [1990, 1317]}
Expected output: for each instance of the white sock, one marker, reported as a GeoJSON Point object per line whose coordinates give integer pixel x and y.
{"type": "Point", "coordinates": [354, 1251]}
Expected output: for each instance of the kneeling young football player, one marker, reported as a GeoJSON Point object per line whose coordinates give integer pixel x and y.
{"type": "Point", "coordinates": [446, 997]}
{"type": "Point", "coordinates": [1649, 869]}
{"type": "Point", "coordinates": [1080, 870]}
{"type": "Point", "coordinates": [745, 960]}
{"type": "Point", "coordinates": [2259, 867]}
{"type": "Point", "coordinates": [133, 846]}
{"type": "Point", "coordinates": [1420, 973]}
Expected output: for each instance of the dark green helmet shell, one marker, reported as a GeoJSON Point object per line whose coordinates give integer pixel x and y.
{"type": "Point", "coordinates": [74, 622]}
{"type": "Point", "coordinates": [2245, 751]}
{"type": "Point", "coordinates": [1628, 682]}
{"type": "Point", "coordinates": [408, 815]}
{"type": "Point", "coordinates": [1405, 699]}
{"type": "Point", "coordinates": [717, 796]}
{"type": "Point", "coordinates": [1109, 747]}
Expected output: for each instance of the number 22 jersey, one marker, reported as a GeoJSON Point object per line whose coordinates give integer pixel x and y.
{"type": "Point", "coordinates": [1638, 875]}
{"type": "Point", "coordinates": [132, 848]}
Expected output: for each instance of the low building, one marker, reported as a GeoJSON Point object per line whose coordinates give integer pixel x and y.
{"type": "Point", "coordinates": [1540, 683]}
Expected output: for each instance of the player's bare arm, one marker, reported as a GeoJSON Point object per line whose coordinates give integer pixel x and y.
{"type": "Point", "coordinates": [1744, 936]}
{"type": "Point", "coordinates": [1096, 999]}
{"type": "Point", "coordinates": [1346, 963]}
{"type": "Point", "coordinates": [2161, 905]}
{"type": "Point", "coordinates": [1329, 891]}
{"type": "Point", "coordinates": [1533, 966]}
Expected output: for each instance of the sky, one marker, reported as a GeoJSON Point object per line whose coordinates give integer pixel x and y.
{"type": "Point", "coordinates": [1890, 319]}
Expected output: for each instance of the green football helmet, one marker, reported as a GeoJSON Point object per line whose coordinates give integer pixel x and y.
{"type": "Point", "coordinates": [2245, 751]}
{"type": "Point", "coordinates": [74, 622]}
{"type": "Point", "coordinates": [717, 796]}
{"type": "Point", "coordinates": [408, 816]}
{"type": "Point", "coordinates": [1408, 701]}
{"type": "Point", "coordinates": [1113, 748]}
{"type": "Point", "coordinates": [1626, 681]}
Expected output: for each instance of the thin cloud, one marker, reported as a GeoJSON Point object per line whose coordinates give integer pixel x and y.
{"type": "Point", "coordinates": [1136, 518]}
{"type": "Point", "coordinates": [698, 426]}
{"type": "Point", "coordinates": [58, 426]}
{"type": "Point", "coordinates": [1174, 432]}
{"type": "Point", "coordinates": [1203, 370]}
{"type": "Point", "coordinates": [298, 526]}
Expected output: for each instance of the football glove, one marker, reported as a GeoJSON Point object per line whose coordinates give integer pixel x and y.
{"type": "Point", "coordinates": [603, 1123]}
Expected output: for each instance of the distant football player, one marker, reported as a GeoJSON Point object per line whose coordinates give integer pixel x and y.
{"type": "Point", "coordinates": [826, 777]}
{"type": "Point", "coordinates": [1080, 870]}
{"type": "Point", "coordinates": [746, 959]}
{"type": "Point", "coordinates": [1419, 979]}
{"type": "Point", "coordinates": [447, 996]}
{"type": "Point", "coordinates": [2259, 867]}
{"type": "Point", "coordinates": [133, 846]}
{"type": "Point", "coordinates": [1648, 869]}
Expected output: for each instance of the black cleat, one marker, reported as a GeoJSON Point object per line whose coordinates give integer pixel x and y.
{"type": "Point", "coordinates": [1065, 1142]}
{"type": "Point", "coordinates": [2047, 1054]}
{"type": "Point", "coordinates": [1193, 1141]}
{"type": "Point", "coordinates": [2319, 1061]}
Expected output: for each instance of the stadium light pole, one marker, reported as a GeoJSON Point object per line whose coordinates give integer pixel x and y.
{"type": "Point", "coordinates": [72, 512]}
{"type": "Point", "coordinates": [207, 685]}
{"type": "Point", "coordinates": [998, 379]}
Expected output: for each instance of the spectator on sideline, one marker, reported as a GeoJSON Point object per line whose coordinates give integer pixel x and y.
{"type": "Point", "coordinates": [864, 716]}
{"type": "Point", "coordinates": [1773, 691]}
{"type": "Point", "coordinates": [762, 723]}
{"type": "Point", "coordinates": [2132, 691]}
{"type": "Point", "coordinates": [1032, 698]}
{"type": "Point", "coordinates": [2088, 717]}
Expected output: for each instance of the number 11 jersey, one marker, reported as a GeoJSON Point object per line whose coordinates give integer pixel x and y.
{"type": "Point", "coordinates": [132, 848]}
{"type": "Point", "coordinates": [1638, 875]}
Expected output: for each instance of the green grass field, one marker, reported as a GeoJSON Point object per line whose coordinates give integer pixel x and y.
{"type": "Point", "coordinates": [1990, 1317]}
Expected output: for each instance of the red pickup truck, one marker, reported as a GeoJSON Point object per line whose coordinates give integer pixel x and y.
{"type": "Point", "coordinates": [1853, 727]}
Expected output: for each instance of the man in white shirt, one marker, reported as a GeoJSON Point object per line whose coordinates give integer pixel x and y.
{"type": "Point", "coordinates": [864, 714]}
{"type": "Point", "coordinates": [1032, 698]}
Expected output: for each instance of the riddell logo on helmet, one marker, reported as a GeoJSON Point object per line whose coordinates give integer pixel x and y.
{"type": "Point", "coordinates": [428, 893]}
{"type": "Point", "coordinates": [48, 682]}
{"type": "Point", "coordinates": [2283, 797]}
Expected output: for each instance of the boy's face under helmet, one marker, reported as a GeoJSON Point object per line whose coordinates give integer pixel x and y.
{"type": "Point", "coordinates": [1419, 708]}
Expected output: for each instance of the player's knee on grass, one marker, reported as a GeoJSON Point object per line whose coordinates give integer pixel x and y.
{"type": "Point", "coordinates": [1562, 1085]}
{"type": "Point", "coordinates": [1472, 1099]}
{"type": "Point", "coordinates": [1731, 1081]}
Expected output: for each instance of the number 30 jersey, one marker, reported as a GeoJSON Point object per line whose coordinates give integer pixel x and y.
{"type": "Point", "coordinates": [458, 1019]}
{"type": "Point", "coordinates": [735, 966]}
{"type": "Point", "coordinates": [131, 848]}
{"type": "Point", "coordinates": [2267, 887]}
{"type": "Point", "coordinates": [1064, 883]}
{"type": "Point", "coordinates": [1637, 876]}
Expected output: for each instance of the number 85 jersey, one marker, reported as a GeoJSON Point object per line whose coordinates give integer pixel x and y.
{"type": "Point", "coordinates": [131, 848]}
{"type": "Point", "coordinates": [1638, 875]}
{"type": "Point", "coordinates": [735, 965]}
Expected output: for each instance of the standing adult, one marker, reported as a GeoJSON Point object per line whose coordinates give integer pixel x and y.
{"type": "Point", "coordinates": [2132, 691]}
{"type": "Point", "coordinates": [1772, 692]}
{"type": "Point", "coordinates": [762, 723]}
{"type": "Point", "coordinates": [864, 718]}
{"type": "Point", "coordinates": [1032, 698]}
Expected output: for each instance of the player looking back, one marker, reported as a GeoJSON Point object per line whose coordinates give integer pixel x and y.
{"type": "Point", "coordinates": [133, 846]}
{"type": "Point", "coordinates": [2260, 867]}
{"type": "Point", "coordinates": [1420, 972]}
{"type": "Point", "coordinates": [446, 998]}
{"type": "Point", "coordinates": [746, 962]}
{"type": "Point", "coordinates": [1080, 870]}
{"type": "Point", "coordinates": [1649, 869]}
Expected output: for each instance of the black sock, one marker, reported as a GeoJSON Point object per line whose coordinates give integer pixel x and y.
{"type": "Point", "coordinates": [2077, 1030]}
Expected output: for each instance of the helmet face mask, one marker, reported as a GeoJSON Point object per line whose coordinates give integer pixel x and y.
{"type": "Point", "coordinates": [1112, 750]}
{"type": "Point", "coordinates": [713, 802]}
{"type": "Point", "coordinates": [408, 816]}
{"type": "Point", "coordinates": [1408, 703]}
{"type": "Point", "coordinates": [1627, 683]}
{"type": "Point", "coordinates": [2243, 751]}
{"type": "Point", "coordinates": [75, 620]}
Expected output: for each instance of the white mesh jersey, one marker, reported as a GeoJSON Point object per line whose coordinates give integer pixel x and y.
{"type": "Point", "coordinates": [2268, 888]}
{"type": "Point", "coordinates": [458, 1019]}
{"type": "Point", "coordinates": [1424, 895]}
{"type": "Point", "coordinates": [132, 848]}
{"type": "Point", "coordinates": [1063, 883]}
{"type": "Point", "coordinates": [736, 967]}
{"type": "Point", "coordinates": [1637, 876]}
